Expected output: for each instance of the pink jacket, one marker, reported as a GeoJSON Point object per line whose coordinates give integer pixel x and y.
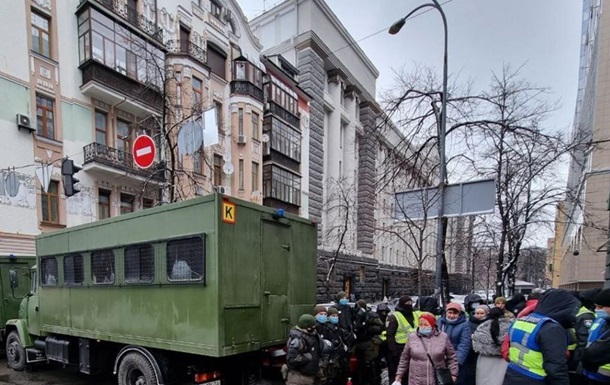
{"type": "Point", "coordinates": [414, 363]}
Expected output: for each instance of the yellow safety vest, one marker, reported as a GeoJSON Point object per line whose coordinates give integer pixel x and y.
{"type": "Point", "coordinates": [603, 373]}
{"type": "Point", "coordinates": [581, 311]}
{"type": "Point", "coordinates": [524, 352]}
{"type": "Point", "coordinates": [404, 328]}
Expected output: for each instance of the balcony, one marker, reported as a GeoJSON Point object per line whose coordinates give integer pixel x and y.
{"type": "Point", "coordinates": [110, 162]}
{"type": "Point", "coordinates": [281, 113]}
{"type": "Point", "coordinates": [243, 87]}
{"type": "Point", "coordinates": [131, 15]}
{"type": "Point", "coordinates": [188, 48]}
{"type": "Point", "coordinates": [109, 86]}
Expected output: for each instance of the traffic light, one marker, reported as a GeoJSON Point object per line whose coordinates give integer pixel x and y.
{"type": "Point", "coordinates": [68, 169]}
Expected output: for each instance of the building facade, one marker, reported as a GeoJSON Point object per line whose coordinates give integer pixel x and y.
{"type": "Point", "coordinates": [84, 78]}
{"type": "Point", "coordinates": [582, 242]}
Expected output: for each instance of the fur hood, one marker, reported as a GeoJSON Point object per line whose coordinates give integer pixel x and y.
{"type": "Point", "coordinates": [482, 342]}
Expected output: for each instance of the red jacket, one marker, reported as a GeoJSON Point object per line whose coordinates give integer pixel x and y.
{"type": "Point", "coordinates": [529, 308]}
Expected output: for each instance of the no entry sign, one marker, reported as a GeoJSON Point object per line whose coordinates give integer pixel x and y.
{"type": "Point", "coordinates": [144, 151]}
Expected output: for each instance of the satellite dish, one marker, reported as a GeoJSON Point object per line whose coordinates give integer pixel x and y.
{"type": "Point", "coordinates": [12, 184]}
{"type": "Point", "coordinates": [227, 157]}
{"type": "Point", "coordinates": [190, 138]}
{"type": "Point", "coordinates": [228, 168]}
{"type": "Point", "coordinates": [265, 138]}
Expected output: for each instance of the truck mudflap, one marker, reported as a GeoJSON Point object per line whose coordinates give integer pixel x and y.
{"type": "Point", "coordinates": [146, 354]}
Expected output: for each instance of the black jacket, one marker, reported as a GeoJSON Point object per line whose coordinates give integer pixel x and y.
{"type": "Point", "coordinates": [582, 327]}
{"type": "Point", "coordinates": [367, 325]}
{"type": "Point", "coordinates": [598, 353]}
{"type": "Point", "coordinates": [552, 337]}
{"type": "Point", "coordinates": [304, 351]}
{"type": "Point", "coordinates": [333, 334]}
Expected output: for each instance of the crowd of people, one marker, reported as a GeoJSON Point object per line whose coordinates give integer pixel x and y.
{"type": "Point", "coordinates": [551, 338]}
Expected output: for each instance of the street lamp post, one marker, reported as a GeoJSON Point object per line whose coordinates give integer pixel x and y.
{"type": "Point", "coordinates": [394, 29]}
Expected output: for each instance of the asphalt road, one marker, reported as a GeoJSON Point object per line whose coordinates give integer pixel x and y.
{"type": "Point", "coordinates": [52, 374]}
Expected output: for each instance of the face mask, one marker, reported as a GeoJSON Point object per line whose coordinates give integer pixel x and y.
{"type": "Point", "coordinates": [599, 313]}
{"type": "Point", "coordinates": [425, 330]}
{"type": "Point", "coordinates": [343, 301]}
{"type": "Point", "coordinates": [408, 307]}
{"type": "Point", "coordinates": [334, 319]}
{"type": "Point", "coordinates": [321, 318]}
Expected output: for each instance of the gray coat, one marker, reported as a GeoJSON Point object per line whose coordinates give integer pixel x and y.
{"type": "Point", "coordinates": [482, 342]}
{"type": "Point", "coordinates": [414, 362]}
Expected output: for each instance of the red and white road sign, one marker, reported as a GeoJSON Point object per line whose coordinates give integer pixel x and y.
{"type": "Point", "coordinates": [144, 151]}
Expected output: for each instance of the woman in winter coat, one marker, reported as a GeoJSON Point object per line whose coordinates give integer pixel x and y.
{"type": "Point", "coordinates": [426, 341]}
{"type": "Point", "coordinates": [455, 324]}
{"type": "Point", "coordinates": [487, 342]}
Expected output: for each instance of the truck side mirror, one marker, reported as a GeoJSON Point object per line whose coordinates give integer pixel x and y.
{"type": "Point", "coordinates": [14, 279]}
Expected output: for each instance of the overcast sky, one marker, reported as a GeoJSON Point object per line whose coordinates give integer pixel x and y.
{"type": "Point", "coordinates": [483, 34]}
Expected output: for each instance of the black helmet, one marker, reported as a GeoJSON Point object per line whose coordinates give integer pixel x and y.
{"type": "Point", "coordinates": [382, 307]}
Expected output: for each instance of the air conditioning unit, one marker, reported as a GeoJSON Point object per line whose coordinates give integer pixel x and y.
{"type": "Point", "coordinates": [241, 139]}
{"type": "Point", "coordinates": [23, 121]}
{"type": "Point", "coordinates": [223, 190]}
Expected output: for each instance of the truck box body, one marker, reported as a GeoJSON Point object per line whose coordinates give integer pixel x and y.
{"type": "Point", "coordinates": [229, 277]}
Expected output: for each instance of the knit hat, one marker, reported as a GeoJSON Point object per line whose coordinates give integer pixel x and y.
{"type": "Point", "coordinates": [402, 302]}
{"type": "Point", "coordinates": [332, 310]}
{"type": "Point", "coordinates": [603, 298]}
{"type": "Point", "coordinates": [361, 303]}
{"type": "Point", "coordinates": [319, 309]}
{"type": "Point", "coordinates": [306, 321]}
{"type": "Point", "coordinates": [499, 300]}
{"type": "Point", "coordinates": [454, 306]}
{"type": "Point", "coordinates": [429, 317]}
{"type": "Point", "coordinates": [341, 295]}
{"type": "Point", "coordinates": [484, 307]}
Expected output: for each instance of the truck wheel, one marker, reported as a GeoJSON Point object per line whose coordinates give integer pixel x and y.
{"type": "Point", "coordinates": [15, 353]}
{"type": "Point", "coordinates": [135, 369]}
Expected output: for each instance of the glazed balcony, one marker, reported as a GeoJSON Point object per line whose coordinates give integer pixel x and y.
{"type": "Point", "coordinates": [131, 16]}
{"type": "Point", "coordinates": [244, 87]}
{"type": "Point", "coordinates": [110, 86]}
{"type": "Point", "coordinates": [111, 162]}
{"type": "Point", "coordinates": [283, 114]}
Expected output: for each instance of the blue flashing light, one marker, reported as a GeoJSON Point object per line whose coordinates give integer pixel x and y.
{"type": "Point", "coordinates": [12, 257]}
{"type": "Point", "coordinates": [279, 213]}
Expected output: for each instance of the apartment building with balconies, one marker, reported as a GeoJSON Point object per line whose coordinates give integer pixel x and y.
{"type": "Point", "coordinates": [92, 75]}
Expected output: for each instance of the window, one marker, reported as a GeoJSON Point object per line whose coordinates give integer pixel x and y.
{"type": "Point", "coordinates": [342, 135]}
{"type": "Point", "coordinates": [340, 170]}
{"type": "Point", "coordinates": [197, 93]}
{"type": "Point", "coordinates": [102, 267]}
{"type": "Point", "coordinates": [103, 204]}
{"type": "Point", "coordinates": [216, 9]}
{"type": "Point", "coordinates": [45, 117]}
{"type": "Point", "coordinates": [217, 61]}
{"type": "Point", "coordinates": [41, 43]}
{"type": "Point", "coordinates": [254, 176]}
{"type": "Point", "coordinates": [48, 271]}
{"type": "Point", "coordinates": [139, 264]}
{"type": "Point", "coordinates": [241, 174]}
{"type": "Point", "coordinates": [240, 121]}
{"type": "Point", "coordinates": [126, 203]}
{"type": "Point", "coordinates": [240, 70]}
{"type": "Point", "coordinates": [198, 162]}
{"type": "Point", "coordinates": [123, 142]}
{"type": "Point", "coordinates": [101, 127]}
{"type": "Point", "coordinates": [281, 184]}
{"type": "Point", "coordinates": [186, 260]}
{"type": "Point", "coordinates": [219, 120]}
{"type": "Point", "coordinates": [283, 97]}
{"type": "Point", "coordinates": [147, 203]}
{"type": "Point", "coordinates": [50, 203]}
{"type": "Point", "coordinates": [255, 126]}
{"type": "Point", "coordinates": [283, 138]}
{"type": "Point", "coordinates": [73, 269]}
{"type": "Point", "coordinates": [217, 170]}
{"type": "Point", "coordinates": [107, 42]}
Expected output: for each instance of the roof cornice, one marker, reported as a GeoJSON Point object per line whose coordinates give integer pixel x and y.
{"type": "Point", "coordinates": [245, 25]}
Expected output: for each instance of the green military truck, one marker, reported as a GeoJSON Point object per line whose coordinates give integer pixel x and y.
{"type": "Point", "coordinates": [201, 291]}
{"type": "Point", "coordinates": [14, 286]}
